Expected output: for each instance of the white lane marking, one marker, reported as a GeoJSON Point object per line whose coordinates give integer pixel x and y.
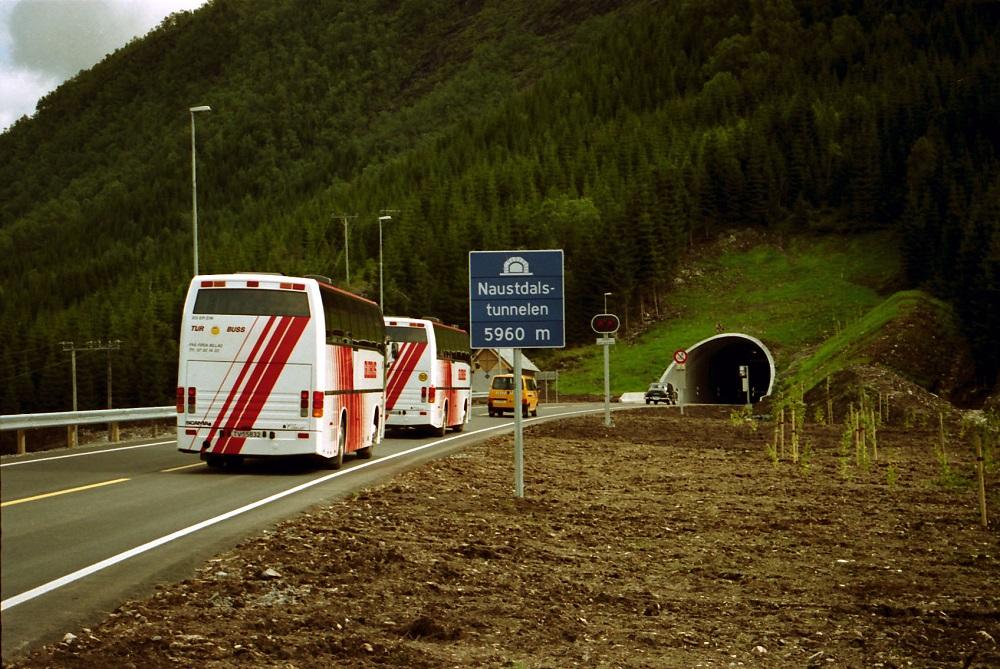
{"type": "Point", "coordinates": [155, 543]}
{"type": "Point", "coordinates": [79, 455]}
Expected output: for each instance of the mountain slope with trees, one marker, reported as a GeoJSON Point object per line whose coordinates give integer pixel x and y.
{"type": "Point", "coordinates": [621, 131]}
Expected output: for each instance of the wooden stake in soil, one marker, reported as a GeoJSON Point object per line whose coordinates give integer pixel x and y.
{"type": "Point", "coordinates": [857, 436]}
{"type": "Point", "coordinates": [782, 451]}
{"type": "Point", "coordinates": [795, 437]}
{"type": "Point", "coordinates": [944, 455]}
{"type": "Point", "coordinates": [829, 403]}
{"type": "Point", "coordinates": [874, 437]}
{"type": "Point", "coordinates": [980, 466]}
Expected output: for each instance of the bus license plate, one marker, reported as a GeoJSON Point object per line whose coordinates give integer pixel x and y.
{"type": "Point", "coordinates": [248, 434]}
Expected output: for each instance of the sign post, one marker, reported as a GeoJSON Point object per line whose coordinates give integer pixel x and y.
{"type": "Point", "coordinates": [680, 359]}
{"type": "Point", "coordinates": [606, 325]}
{"type": "Point", "coordinates": [516, 300]}
{"type": "Point", "coordinates": [745, 376]}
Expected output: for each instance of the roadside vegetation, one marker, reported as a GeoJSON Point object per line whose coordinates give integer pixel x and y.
{"type": "Point", "coordinates": [626, 133]}
{"type": "Point", "coordinates": [790, 292]}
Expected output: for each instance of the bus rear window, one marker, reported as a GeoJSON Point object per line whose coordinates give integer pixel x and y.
{"type": "Point", "coordinates": [251, 302]}
{"type": "Point", "coordinates": [396, 333]}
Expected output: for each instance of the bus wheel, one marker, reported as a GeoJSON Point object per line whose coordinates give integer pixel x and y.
{"type": "Point", "coordinates": [215, 461]}
{"type": "Point", "coordinates": [535, 412]}
{"type": "Point", "coordinates": [337, 460]}
{"type": "Point", "coordinates": [441, 431]}
{"type": "Point", "coordinates": [465, 417]}
{"type": "Point", "coordinates": [367, 452]}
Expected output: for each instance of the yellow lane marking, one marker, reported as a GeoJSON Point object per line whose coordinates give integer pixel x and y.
{"type": "Point", "coordinates": [61, 492]}
{"type": "Point", "coordinates": [174, 469]}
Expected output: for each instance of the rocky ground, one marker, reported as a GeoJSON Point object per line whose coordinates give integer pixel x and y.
{"type": "Point", "coordinates": [665, 541]}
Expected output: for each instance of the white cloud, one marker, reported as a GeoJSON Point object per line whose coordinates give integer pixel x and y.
{"type": "Point", "coordinates": [19, 92]}
{"type": "Point", "coordinates": [44, 42]}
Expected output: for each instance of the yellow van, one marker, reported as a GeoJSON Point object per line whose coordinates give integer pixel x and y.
{"type": "Point", "coordinates": [501, 397]}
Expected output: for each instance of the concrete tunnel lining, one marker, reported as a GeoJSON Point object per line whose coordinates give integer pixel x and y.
{"type": "Point", "coordinates": [711, 373]}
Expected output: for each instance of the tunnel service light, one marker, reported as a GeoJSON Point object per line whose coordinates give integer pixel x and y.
{"type": "Point", "coordinates": [605, 324]}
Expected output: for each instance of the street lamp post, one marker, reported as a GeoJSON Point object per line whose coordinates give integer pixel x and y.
{"type": "Point", "coordinates": [194, 185]}
{"type": "Point", "coordinates": [607, 374]}
{"type": "Point", "coordinates": [381, 219]}
{"type": "Point", "coordinates": [347, 257]}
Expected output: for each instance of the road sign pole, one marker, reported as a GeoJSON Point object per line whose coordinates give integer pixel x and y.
{"type": "Point", "coordinates": [517, 301]}
{"type": "Point", "coordinates": [680, 362]}
{"type": "Point", "coordinates": [518, 425]}
{"type": "Point", "coordinates": [607, 386]}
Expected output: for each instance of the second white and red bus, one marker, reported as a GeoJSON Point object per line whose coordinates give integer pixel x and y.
{"type": "Point", "coordinates": [429, 377]}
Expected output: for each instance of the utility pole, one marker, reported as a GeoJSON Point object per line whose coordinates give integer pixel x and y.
{"type": "Point", "coordinates": [110, 345]}
{"type": "Point", "coordinates": [71, 429]}
{"type": "Point", "coordinates": [347, 258]}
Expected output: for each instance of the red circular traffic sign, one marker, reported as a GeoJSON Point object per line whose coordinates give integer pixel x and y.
{"type": "Point", "coordinates": [605, 324]}
{"type": "Point", "coordinates": [680, 356]}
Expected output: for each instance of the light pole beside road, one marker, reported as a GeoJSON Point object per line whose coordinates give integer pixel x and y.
{"type": "Point", "coordinates": [194, 185]}
{"type": "Point", "coordinates": [380, 221]}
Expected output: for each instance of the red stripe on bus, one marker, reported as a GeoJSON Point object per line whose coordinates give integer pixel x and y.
{"type": "Point", "coordinates": [401, 371]}
{"type": "Point", "coordinates": [247, 394]}
{"type": "Point", "coordinates": [350, 402]}
{"type": "Point", "coordinates": [404, 370]}
{"type": "Point", "coordinates": [239, 379]}
{"type": "Point", "coordinates": [252, 409]}
{"type": "Point", "coordinates": [392, 376]}
{"type": "Point", "coordinates": [450, 419]}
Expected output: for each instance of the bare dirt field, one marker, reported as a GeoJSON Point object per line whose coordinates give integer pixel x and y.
{"type": "Point", "coordinates": [665, 541]}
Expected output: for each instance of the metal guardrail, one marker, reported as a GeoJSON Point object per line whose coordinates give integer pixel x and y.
{"type": "Point", "coordinates": [71, 419]}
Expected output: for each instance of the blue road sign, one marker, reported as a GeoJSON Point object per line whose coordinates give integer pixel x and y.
{"type": "Point", "coordinates": [516, 299]}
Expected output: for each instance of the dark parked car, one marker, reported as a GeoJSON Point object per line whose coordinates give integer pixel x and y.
{"type": "Point", "coordinates": [661, 392]}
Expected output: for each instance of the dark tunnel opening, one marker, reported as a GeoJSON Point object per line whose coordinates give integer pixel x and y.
{"type": "Point", "coordinates": [712, 374]}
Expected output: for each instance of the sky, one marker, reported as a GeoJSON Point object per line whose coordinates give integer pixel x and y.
{"type": "Point", "coordinates": [45, 42]}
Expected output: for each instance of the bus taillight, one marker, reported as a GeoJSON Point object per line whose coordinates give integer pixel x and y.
{"type": "Point", "coordinates": [304, 403]}
{"type": "Point", "coordinates": [180, 399]}
{"type": "Point", "coordinates": [192, 399]}
{"type": "Point", "coordinates": [318, 397]}
{"type": "Point", "coordinates": [431, 394]}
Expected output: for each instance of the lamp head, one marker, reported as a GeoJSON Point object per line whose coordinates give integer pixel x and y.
{"type": "Point", "coordinates": [201, 108]}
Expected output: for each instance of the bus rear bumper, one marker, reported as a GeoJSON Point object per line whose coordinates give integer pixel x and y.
{"type": "Point", "coordinates": [410, 418]}
{"type": "Point", "coordinates": [274, 443]}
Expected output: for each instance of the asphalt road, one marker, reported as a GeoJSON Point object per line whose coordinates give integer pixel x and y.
{"type": "Point", "coordinates": [85, 530]}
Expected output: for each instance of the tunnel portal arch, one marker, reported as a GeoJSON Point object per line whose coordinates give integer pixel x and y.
{"type": "Point", "coordinates": [711, 372]}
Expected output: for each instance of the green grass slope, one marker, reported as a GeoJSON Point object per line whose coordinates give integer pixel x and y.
{"type": "Point", "coordinates": [792, 294]}
{"type": "Point", "coordinates": [869, 339]}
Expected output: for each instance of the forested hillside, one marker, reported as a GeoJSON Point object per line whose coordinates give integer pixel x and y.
{"type": "Point", "coordinates": [619, 131]}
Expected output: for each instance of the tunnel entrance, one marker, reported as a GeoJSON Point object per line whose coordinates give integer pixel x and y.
{"type": "Point", "coordinates": [711, 374]}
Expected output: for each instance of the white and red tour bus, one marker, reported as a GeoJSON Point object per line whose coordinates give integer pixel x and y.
{"type": "Point", "coordinates": [272, 365]}
{"type": "Point", "coordinates": [428, 383]}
